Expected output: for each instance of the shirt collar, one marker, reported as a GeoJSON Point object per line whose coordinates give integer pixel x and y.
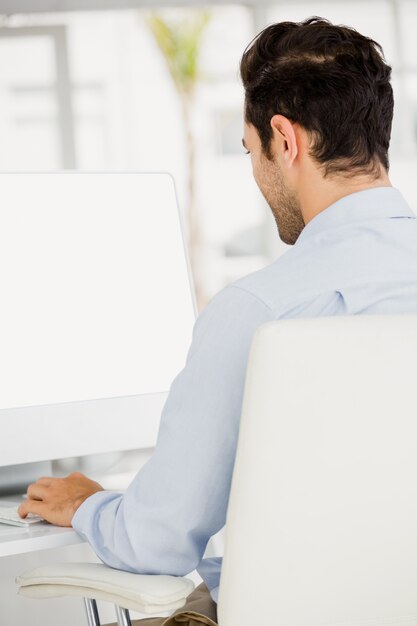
{"type": "Point", "coordinates": [370, 204]}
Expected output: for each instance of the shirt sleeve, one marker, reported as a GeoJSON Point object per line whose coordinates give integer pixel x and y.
{"type": "Point", "coordinates": [178, 500]}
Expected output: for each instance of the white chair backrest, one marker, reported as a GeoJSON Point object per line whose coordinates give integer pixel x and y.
{"type": "Point", "coordinates": [322, 519]}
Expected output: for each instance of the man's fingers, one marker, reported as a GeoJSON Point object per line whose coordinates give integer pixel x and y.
{"type": "Point", "coordinates": [31, 506]}
{"type": "Point", "coordinates": [37, 491]}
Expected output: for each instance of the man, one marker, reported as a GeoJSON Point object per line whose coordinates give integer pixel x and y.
{"type": "Point", "coordinates": [318, 113]}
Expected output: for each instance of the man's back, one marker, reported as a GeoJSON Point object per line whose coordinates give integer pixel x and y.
{"type": "Point", "coordinates": [358, 257]}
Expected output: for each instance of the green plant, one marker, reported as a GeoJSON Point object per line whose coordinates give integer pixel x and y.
{"type": "Point", "coordinates": [179, 38]}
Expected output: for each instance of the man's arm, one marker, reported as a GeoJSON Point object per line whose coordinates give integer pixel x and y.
{"type": "Point", "coordinates": [178, 500]}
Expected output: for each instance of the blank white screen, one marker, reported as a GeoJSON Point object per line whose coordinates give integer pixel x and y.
{"type": "Point", "coordinates": [96, 300]}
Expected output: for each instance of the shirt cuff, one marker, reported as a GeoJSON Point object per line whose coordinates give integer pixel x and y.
{"type": "Point", "coordinates": [83, 520]}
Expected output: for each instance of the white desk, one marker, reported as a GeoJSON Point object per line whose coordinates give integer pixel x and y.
{"type": "Point", "coordinates": [15, 540]}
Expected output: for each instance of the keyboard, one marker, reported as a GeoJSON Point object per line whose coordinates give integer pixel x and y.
{"type": "Point", "coordinates": [9, 515]}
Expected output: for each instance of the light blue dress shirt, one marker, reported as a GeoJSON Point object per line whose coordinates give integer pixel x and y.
{"type": "Point", "coordinates": [358, 256]}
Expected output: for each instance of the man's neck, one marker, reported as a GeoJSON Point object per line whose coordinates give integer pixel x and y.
{"type": "Point", "coordinates": [322, 193]}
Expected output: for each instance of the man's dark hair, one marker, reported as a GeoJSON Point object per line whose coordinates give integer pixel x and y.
{"type": "Point", "coordinates": [331, 80]}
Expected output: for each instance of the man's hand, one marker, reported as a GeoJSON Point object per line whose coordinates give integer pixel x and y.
{"type": "Point", "coordinates": [57, 499]}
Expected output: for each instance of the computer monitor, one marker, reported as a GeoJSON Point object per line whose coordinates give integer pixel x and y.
{"type": "Point", "coordinates": [96, 311]}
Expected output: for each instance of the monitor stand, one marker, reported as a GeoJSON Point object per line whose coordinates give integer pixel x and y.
{"type": "Point", "coordinates": [15, 479]}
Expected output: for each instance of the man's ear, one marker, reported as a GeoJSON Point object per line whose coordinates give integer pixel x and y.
{"type": "Point", "coordinates": [284, 139]}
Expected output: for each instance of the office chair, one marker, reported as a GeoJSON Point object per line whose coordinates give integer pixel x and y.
{"type": "Point", "coordinates": [322, 519]}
